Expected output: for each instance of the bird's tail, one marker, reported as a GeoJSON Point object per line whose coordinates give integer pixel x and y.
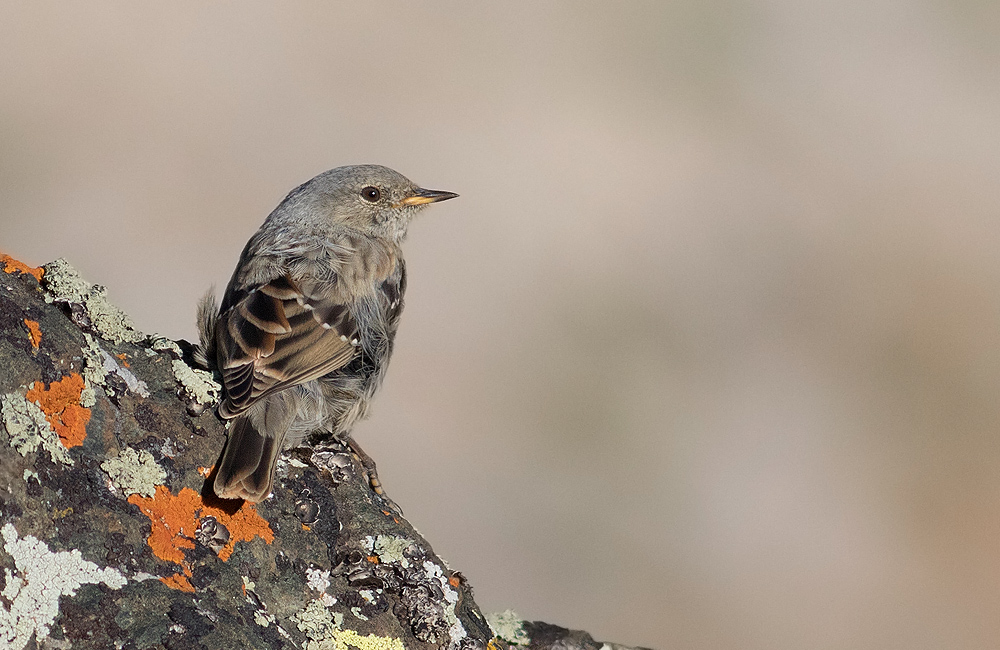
{"type": "Point", "coordinates": [246, 470]}
{"type": "Point", "coordinates": [208, 316]}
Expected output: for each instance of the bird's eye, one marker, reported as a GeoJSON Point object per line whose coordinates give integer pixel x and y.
{"type": "Point", "coordinates": [371, 194]}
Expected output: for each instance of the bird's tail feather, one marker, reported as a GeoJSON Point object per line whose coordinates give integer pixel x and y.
{"type": "Point", "coordinates": [208, 316]}
{"type": "Point", "coordinates": [246, 470]}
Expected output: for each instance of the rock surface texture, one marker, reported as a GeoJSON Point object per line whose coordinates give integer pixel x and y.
{"type": "Point", "coordinates": [110, 536]}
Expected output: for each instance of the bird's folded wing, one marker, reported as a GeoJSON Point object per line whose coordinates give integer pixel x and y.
{"type": "Point", "coordinates": [281, 334]}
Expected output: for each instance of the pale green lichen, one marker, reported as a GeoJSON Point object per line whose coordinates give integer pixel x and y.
{"type": "Point", "coordinates": [93, 362]}
{"type": "Point", "coordinates": [63, 284]}
{"type": "Point", "coordinates": [390, 549]}
{"type": "Point", "coordinates": [260, 615]}
{"type": "Point", "coordinates": [324, 631]}
{"type": "Point", "coordinates": [197, 384]}
{"type": "Point", "coordinates": [27, 428]}
{"type": "Point", "coordinates": [93, 371]}
{"type": "Point", "coordinates": [134, 472]}
{"type": "Point", "coordinates": [39, 579]}
{"type": "Point", "coordinates": [163, 344]}
{"type": "Point", "coordinates": [508, 626]}
{"type": "Point", "coordinates": [88, 398]}
{"type": "Point", "coordinates": [316, 621]}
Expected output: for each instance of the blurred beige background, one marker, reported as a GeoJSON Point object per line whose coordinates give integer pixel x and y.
{"type": "Point", "coordinates": [705, 356]}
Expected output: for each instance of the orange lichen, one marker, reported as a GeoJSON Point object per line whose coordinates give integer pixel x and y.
{"type": "Point", "coordinates": [173, 524]}
{"type": "Point", "coordinates": [205, 471]}
{"type": "Point", "coordinates": [455, 581]}
{"type": "Point", "coordinates": [372, 558]}
{"type": "Point", "coordinates": [179, 582]}
{"type": "Point", "coordinates": [60, 402]}
{"type": "Point", "coordinates": [10, 265]}
{"type": "Point", "coordinates": [243, 526]}
{"type": "Point", "coordinates": [122, 357]}
{"type": "Point", "coordinates": [34, 332]}
{"type": "Point", "coordinates": [176, 518]}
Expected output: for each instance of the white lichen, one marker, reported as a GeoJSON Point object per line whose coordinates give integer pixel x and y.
{"type": "Point", "coordinates": [135, 385]}
{"type": "Point", "coordinates": [168, 448]}
{"type": "Point", "coordinates": [197, 384]}
{"type": "Point", "coordinates": [33, 589]}
{"type": "Point", "coordinates": [28, 429]}
{"type": "Point", "coordinates": [142, 576]}
{"type": "Point", "coordinates": [455, 629]}
{"type": "Point", "coordinates": [318, 580]}
{"type": "Point", "coordinates": [63, 284]}
{"type": "Point", "coordinates": [508, 626]}
{"type": "Point", "coordinates": [391, 550]}
{"type": "Point", "coordinates": [98, 363]}
{"type": "Point", "coordinates": [135, 472]}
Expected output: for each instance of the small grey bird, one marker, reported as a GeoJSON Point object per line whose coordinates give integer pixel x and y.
{"type": "Point", "coordinates": [305, 330]}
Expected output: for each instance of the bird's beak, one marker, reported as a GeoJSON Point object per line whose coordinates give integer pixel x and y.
{"type": "Point", "coordinates": [421, 196]}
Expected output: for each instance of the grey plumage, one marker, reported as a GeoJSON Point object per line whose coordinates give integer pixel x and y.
{"type": "Point", "coordinates": [305, 329]}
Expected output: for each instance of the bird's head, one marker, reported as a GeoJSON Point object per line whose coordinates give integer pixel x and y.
{"type": "Point", "coordinates": [373, 199]}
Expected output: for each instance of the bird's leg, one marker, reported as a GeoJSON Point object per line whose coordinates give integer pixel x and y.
{"type": "Point", "coordinates": [369, 464]}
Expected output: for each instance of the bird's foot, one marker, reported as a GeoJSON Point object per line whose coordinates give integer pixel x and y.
{"type": "Point", "coordinates": [376, 485]}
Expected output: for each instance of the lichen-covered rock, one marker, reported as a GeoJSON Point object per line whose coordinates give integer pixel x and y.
{"type": "Point", "coordinates": [88, 304]}
{"type": "Point", "coordinates": [112, 538]}
{"type": "Point", "coordinates": [134, 472]}
{"type": "Point", "coordinates": [39, 577]}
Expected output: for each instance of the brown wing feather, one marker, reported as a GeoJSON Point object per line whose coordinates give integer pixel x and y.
{"type": "Point", "coordinates": [279, 335]}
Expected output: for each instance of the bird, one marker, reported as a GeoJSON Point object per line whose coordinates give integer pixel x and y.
{"type": "Point", "coordinates": [305, 330]}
